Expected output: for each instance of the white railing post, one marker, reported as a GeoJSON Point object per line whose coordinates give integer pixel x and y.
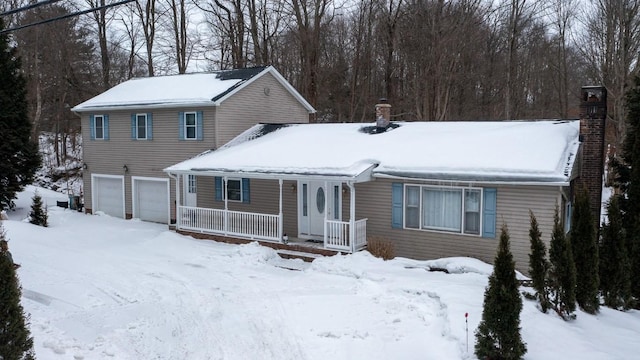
{"type": "Point", "coordinates": [280, 225]}
{"type": "Point", "coordinates": [352, 216]}
{"type": "Point", "coordinates": [226, 206]}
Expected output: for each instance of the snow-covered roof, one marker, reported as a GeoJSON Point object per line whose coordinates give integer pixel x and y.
{"type": "Point", "coordinates": [501, 151]}
{"type": "Point", "coordinates": [202, 89]}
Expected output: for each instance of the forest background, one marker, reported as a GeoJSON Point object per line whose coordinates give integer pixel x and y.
{"type": "Point", "coordinates": [434, 60]}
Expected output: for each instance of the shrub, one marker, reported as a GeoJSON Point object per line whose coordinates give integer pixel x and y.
{"type": "Point", "coordinates": [38, 214]}
{"type": "Point", "coordinates": [381, 248]}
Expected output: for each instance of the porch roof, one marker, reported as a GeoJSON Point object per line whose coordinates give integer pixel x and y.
{"type": "Point", "coordinates": [502, 151]}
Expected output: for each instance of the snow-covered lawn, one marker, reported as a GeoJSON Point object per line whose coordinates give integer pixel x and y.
{"type": "Point", "coordinates": [103, 288]}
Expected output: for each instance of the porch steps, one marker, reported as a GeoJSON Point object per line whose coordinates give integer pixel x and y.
{"type": "Point", "coordinates": [292, 254]}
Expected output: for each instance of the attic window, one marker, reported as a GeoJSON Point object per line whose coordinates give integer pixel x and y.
{"type": "Point", "coordinates": [372, 130]}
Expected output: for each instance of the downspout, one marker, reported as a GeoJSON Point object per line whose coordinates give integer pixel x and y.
{"type": "Point", "coordinates": [226, 205]}
{"type": "Point", "coordinates": [177, 179]}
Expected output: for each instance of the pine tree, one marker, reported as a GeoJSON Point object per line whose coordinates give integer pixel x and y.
{"type": "Point", "coordinates": [628, 182]}
{"type": "Point", "coordinates": [538, 264]}
{"type": "Point", "coordinates": [38, 214]}
{"type": "Point", "coordinates": [562, 272]}
{"type": "Point", "coordinates": [15, 338]}
{"type": "Point", "coordinates": [19, 154]}
{"type": "Point", "coordinates": [498, 335]}
{"type": "Point", "coordinates": [615, 282]}
{"type": "Point", "coordinates": [584, 249]}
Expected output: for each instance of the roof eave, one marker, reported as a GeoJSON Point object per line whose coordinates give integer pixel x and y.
{"type": "Point", "coordinates": [80, 109]}
{"type": "Point", "coordinates": [479, 179]}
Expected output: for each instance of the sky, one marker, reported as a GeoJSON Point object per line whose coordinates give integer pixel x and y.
{"type": "Point", "coordinates": [98, 287]}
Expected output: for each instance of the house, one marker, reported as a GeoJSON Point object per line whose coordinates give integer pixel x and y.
{"type": "Point", "coordinates": [137, 128]}
{"type": "Point", "coordinates": [435, 189]}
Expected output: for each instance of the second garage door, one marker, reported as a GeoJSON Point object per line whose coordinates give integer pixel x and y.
{"type": "Point", "coordinates": [151, 199]}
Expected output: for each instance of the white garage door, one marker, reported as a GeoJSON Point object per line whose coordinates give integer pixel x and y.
{"type": "Point", "coordinates": [151, 200]}
{"type": "Point", "coordinates": [108, 195]}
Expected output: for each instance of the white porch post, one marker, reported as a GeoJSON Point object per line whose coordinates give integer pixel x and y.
{"type": "Point", "coordinates": [326, 210]}
{"type": "Point", "coordinates": [226, 205]}
{"type": "Point", "coordinates": [352, 216]}
{"type": "Point", "coordinates": [280, 225]}
{"type": "Point", "coordinates": [178, 218]}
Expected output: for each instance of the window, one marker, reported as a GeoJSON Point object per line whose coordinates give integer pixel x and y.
{"type": "Point", "coordinates": [305, 201]}
{"type": "Point", "coordinates": [141, 126]}
{"type": "Point", "coordinates": [190, 125]}
{"type": "Point", "coordinates": [444, 209]}
{"type": "Point", "coordinates": [191, 187]}
{"type": "Point", "coordinates": [234, 190]}
{"type": "Point", "coordinates": [99, 127]}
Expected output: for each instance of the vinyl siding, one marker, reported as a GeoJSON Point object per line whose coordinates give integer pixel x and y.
{"type": "Point", "coordinates": [373, 201]}
{"type": "Point", "coordinates": [149, 157]}
{"type": "Point", "coordinates": [251, 105]}
{"type": "Point", "coordinates": [142, 157]}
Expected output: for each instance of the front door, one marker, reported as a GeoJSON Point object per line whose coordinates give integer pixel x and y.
{"type": "Point", "coordinates": [316, 198]}
{"type": "Point", "coordinates": [190, 190]}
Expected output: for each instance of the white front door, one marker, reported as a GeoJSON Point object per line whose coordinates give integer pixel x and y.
{"type": "Point", "coordinates": [316, 198]}
{"type": "Point", "coordinates": [190, 190]}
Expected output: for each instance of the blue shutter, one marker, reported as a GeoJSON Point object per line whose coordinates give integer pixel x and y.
{"type": "Point", "coordinates": [218, 182]}
{"type": "Point", "coordinates": [181, 125]}
{"type": "Point", "coordinates": [489, 213]}
{"type": "Point", "coordinates": [245, 191]}
{"type": "Point", "coordinates": [92, 127]}
{"type": "Point", "coordinates": [133, 127]}
{"type": "Point", "coordinates": [105, 126]}
{"type": "Point", "coordinates": [149, 126]}
{"type": "Point", "coordinates": [199, 125]}
{"type": "Point", "coordinates": [396, 205]}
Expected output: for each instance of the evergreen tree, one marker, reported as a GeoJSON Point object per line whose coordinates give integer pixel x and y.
{"type": "Point", "coordinates": [562, 272]}
{"type": "Point", "coordinates": [628, 181]}
{"type": "Point", "coordinates": [615, 282]}
{"type": "Point", "coordinates": [538, 264]}
{"type": "Point", "coordinates": [498, 335]}
{"type": "Point", "coordinates": [15, 338]}
{"type": "Point", "coordinates": [19, 154]}
{"type": "Point", "coordinates": [584, 249]}
{"type": "Point", "coordinates": [38, 214]}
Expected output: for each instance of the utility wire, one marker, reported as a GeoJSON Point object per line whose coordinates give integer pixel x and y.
{"type": "Point", "coordinates": [28, 7]}
{"type": "Point", "coordinates": [66, 16]}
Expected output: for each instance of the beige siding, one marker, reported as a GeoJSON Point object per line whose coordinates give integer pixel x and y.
{"type": "Point", "coordinates": [252, 105]}
{"type": "Point", "coordinates": [373, 201]}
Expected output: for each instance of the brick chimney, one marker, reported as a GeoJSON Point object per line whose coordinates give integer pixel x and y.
{"type": "Point", "coordinates": [593, 113]}
{"type": "Point", "coordinates": [383, 113]}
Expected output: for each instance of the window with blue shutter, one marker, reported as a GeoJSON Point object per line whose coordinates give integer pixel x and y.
{"type": "Point", "coordinates": [490, 203]}
{"type": "Point", "coordinates": [245, 191]}
{"type": "Point", "coordinates": [396, 205]}
{"type": "Point", "coordinates": [105, 123]}
{"type": "Point", "coordinates": [92, 127]}
{"type": "Point", "coordinates": [99, 127]}
{"type": "Point", "coordinates": [181, 125]}
{"type": "Point", "coordinates": [237, 190]}
{"type": "Point", "coordinates": [142, 126]}
{"type": "Point", "coordinates": [190, 125]}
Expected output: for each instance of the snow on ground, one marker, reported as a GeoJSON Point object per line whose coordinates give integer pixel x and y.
{"type": "Point", "coordinates": [104, 288]}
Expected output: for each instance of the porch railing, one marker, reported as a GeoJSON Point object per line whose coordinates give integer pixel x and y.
{"type": "Point", "coordinates": [237, 223]}
{"type": "Point", "coordinates": [338, 235]}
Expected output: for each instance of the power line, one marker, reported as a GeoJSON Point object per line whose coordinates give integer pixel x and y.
{"type": "Point", "coordinates": [66, 16]}
{"type": "Point", "coordinates": [28, 7]}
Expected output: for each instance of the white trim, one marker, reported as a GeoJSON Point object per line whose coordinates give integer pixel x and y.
{"type": "Point", "coordinates": [146, 127]}
{"type": "Point", "coordinates": [95, 126]}
{"type": "Point", "coordinates": [195, 125]}
{"type": "Point", "coordinates": [442, 187]}
{"type": "Point", "coordinates": [180, 105]}
{"type": "Point", "coordinates": [270, 69]}
{"type": "Point", "coordinates": [474, 182]}
{"type": "Point", "coordinates": [93, 191]}
{"type": "Point", "coordinates": [134, 205]}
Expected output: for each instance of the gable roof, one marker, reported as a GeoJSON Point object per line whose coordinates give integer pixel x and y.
{"type": "Point", "coordinates": [491, 151]}
{"type": "Point", "coordinates": [202, 89]}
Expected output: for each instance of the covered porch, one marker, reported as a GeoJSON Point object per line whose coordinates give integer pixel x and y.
{"type": "Point", "coordinates": [315, 202]}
